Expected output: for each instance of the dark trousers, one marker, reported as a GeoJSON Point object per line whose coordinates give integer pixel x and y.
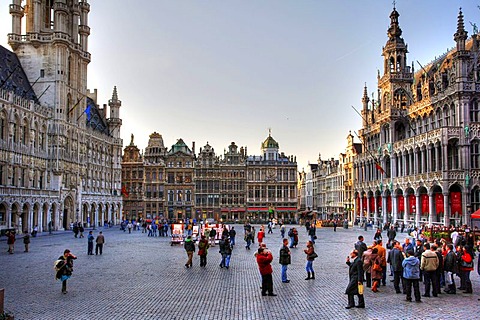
{"type": "Point", "coordinates": [430, 278]}
{"type": "Point", "coordinates": [267, 284]}
{"type": "Point", "coordinates": [64, 286]}
{"type": "Point", "coordinates": [368, 278]}
{"type": "Point", "coordinates": [203, 260]}
{"type": "Point", "coordinates": [351, 300]}
{"type": "Point", "coordinates": [99, 248]}
{"type": "Point", "coordinates": [416, 288]}
{"type": "Point", "coordinates": [397, 277]}
{"type": "Point", "coordinates": [90, 248]}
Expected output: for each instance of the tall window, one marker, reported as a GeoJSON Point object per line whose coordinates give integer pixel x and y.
{"type": "Point", "coordinates": [452, 154]}
{"type": "Point", "coordinates": [474, 111]}
{"type": "Point", "coordinates": [475, 154]}
{"type": "Point", "coordinates": [3, 126]}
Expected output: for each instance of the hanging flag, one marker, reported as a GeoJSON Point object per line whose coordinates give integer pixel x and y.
{"type": "Point", "coordinates": [124, 192]}
{"type": "Point", "coordinates": [88, 111]}
{"type": "Point", "coordinates": [379, 167]}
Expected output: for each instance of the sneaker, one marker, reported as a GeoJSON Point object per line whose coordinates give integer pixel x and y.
{"type": "Point", "coordinates": [272, 294]}
{"type": "Point", "coordinates": [286, 281]}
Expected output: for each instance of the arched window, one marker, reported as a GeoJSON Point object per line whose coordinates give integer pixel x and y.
{"type": "Point", "coordinates": [475, 199]}
{"type": "Point", "coordinates": [3, 126]}
{"type": "Point", "coordinates": [452, 154]}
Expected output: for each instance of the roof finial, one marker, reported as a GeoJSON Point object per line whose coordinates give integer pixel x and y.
{"type": "Point", "coordinates": [394, 3]}
{"type": "Point", "coordinates": [115, 95]}
{"type": "Point", "coordinates": [269, 132]}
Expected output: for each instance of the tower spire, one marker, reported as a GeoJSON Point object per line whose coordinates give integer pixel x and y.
{"type": "Point", "coordinates": [461, 35]}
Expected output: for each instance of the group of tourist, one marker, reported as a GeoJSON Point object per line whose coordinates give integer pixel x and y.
{"type": "Point", "coordinates": [438, 263]}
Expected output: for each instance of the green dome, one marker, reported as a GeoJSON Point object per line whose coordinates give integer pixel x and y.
{"type": "Point", "coordinates": [269, 143]}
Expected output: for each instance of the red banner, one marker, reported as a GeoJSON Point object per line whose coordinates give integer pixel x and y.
{"type": "Point", "coordinates": [371, 204]}
{"type": "Point", "coordinates": [357, 201]}
{"type": "Point", "coordinates": [379, 203]}
{"type": "Point", "coordinates": [439, 203]}
{"type": "Point", "coordinates": [456, 202]}
{"type": "Point", "coordinates": [389, 204]}
{"type": "Point", "coordinates": [424, 201]}
{"type": "Point", "coordinates": [364, 204]}
{"type": "Point", "coordinates": [412, 202]}
{"type": "Point", "coordinates": [401, 204]}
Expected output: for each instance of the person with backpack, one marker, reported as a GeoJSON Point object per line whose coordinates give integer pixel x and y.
{"type": "Point", "coordinates": [189, 246]}
{"type": "Point", "coordinates": [203, 250]}
{"type": "Point", "coordinates": [64, 268]}
{"type": "Point", "coordinates": [226, 252]}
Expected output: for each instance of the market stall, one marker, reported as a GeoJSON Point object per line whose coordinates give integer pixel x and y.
{"type": "Point", "coordinates": [177, 234]}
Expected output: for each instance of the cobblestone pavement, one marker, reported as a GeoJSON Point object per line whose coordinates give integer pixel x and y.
{"type": "Point", "coordinates": [144, 278]}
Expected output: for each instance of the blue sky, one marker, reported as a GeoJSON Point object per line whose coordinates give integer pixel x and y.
{"type": "Point", "coordinates": [223, 71]}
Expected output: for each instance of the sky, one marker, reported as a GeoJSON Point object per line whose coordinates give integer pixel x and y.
{"type": "Point", "coordinates": [222, 71]}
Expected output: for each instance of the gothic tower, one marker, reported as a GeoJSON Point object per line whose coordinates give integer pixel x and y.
{"type": "Point", "coordinates": [395, 84]}
{"type": "Point", "coordinates": [114, 122]}
{"type": "Point", "coordinates": [53, 50]}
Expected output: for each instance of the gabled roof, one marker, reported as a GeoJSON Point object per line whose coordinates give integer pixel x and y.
{"type": "Point", "coordinates": [94, 118]}
{"type": "Point", "coordinates": [12, 76]}
{"type": "Point", "coordinates": [180, 146]}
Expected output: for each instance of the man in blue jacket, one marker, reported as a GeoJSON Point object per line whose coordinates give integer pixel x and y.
{"type": "Point", "coordinates": [411, 276]}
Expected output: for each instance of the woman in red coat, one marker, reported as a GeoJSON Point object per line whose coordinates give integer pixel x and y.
{"type": "Point", "coordinates": [260, 236]}
{"type": "Point", "coordinates": [465, 266]}
{"type": "Point", "coordinates": [264, 260]}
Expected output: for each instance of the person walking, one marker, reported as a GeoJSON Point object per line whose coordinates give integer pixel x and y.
{"type": "Point", "coordinates": [355, 275]}
{"type": "Point", "coordinates": [285, 259]}
{"type": "Point", "coordinates": [312, 233]}
{"type": "Point", "coordinates": [26, 241]}
{"type": "Point", "coordinates": [411, 276]}
{"type": "Point", "coordinates": [100, 242]}
{"type": "Point", "coordinates": [90, 239]}
{"type": "Point", "coordinates": [203, 250]}
{"type": "Point", "coordinates": [190, 249]}
{"type": "Point", "coordinates": [130, 226]}
{"type": "Point", "coordinates": [81, 229]}
{"type": "Point", "coordinates": [64, 268]}
{"type": "Point", "coordinates": [264, 259]}
{"type": "Point", "coordinates": [311, 255]}
{"type": "Point", "coordinates": [248, 239]}
{"type": "Point", "coordinates": [213, 234]}
{"type": "Point", "coordinates": [11, 241]}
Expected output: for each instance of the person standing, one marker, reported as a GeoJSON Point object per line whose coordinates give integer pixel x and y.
{"type": "Point", "coordinates": [81, 229]}
{"type": "Point", "coordinates": [270, 224]}
{"type": "Point", "coordinates": [75, 229]}
{"type": "Point", "coordinates": [90, 239]}
{"type": "Point", "coordinates": [450, 267]}
{"type": "Point", "coordinates": [260, 236]}
{"type": "Point", "coordinates": [411, 276]}
{"type": "Point", "coordinates": [100, 242]}
{"type": "Point", "coordinates": [213, 234]}
{"type": "Point", "coordinates": [360, 246]}
{"type": "Point", "coordinates": [355, 274]}
{"type": "Point", "coordinates": [50, 227]}
{"type": "Point", "coordinates": [429, 265]}
{"type": "Point", "coordinates": [203, 250]}
{"type": "Point", "coordinates": [11, 241]}
{"type": "Point", "coordinates": [382, 254]}
{"type": "Point", "coordinates": [334, 225]}
{"type": "Point", "coordinates": [130, 226]}
{"type": "Point", "coordinates": [248, 239]}
{"type": "Point", "coordinates": [190, 249]}
{"type": "Point", "coordinates": [232, 233]}
{"type": "Point", "coordinates": [226, 252]}
{"type": "Point", "coordinates": [285, 260]}
{"type": "Point", "coordinates": [264, 259]}
{"type": "Point", "coordinates": [311, 255]}
{"type": "Point", "coordinates": [396, 259]}
{"type": "Point", "coordinates": [282, 231]}
{"type": "Point", "coordinates": [26, 241]}
{"type": "Point", "coordinates": [64, 268]}
{"type": "Point", "coordinates": [465, 266]}
{"type": "Point", "coordinates": [35, 231]}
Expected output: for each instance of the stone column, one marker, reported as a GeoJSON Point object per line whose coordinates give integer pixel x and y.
{"type": "Point", "coordinates": [406, 211]}
{"type": "Point", "coordinates": [431, 211]}
{"type": "Point", "coordinates": [446, 208]}
{"type": "Point", "coordinates": [394, 208]}
{"type": "Point", "coordinates": [375, 210]}
{"type": "Point", "coordinates": [9, 216]}
{"type": "Point", "coordinates": [418, 213]}
{"type": "Point", "coordinates": [384, 208]}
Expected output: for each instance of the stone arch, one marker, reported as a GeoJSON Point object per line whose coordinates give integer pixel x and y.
{"type": "Point", "coordinates": [455, 201]}
{"type": "Point", "coordinates": [68, 212]}
{"type": "Point", "coordinates": [3, 215]}
{"type": "Point", "coordinates": [36, 215]}
{"type": "Point", "coordinates": [45, 217]}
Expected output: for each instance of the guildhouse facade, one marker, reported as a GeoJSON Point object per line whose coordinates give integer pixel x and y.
{"type": "Point", "coordinates": [420, 161]}
{"type": "Point", "coordinates": [60, 152]}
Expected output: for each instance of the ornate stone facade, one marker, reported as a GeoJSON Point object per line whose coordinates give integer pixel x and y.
{"type": "Point", "coordinates": [421, 157]}
{"type": "Point", "coordinates": [60, 154]}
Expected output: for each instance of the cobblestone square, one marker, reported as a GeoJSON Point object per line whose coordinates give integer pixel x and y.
{"type": "Point", "coordinates": [140, 277]}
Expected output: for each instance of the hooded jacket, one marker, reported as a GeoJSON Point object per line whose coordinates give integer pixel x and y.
{"type": "Point", "coordinates": [411, 268]}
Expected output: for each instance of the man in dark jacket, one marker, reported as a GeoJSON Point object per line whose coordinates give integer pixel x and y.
{"type": "Point", "coordinates": [285, 260]}
{"type": "Point", "coordinates": [396, 261]}
{"type": "Point", "coordinates": [355, 274]}
{"type": "Point", "coordinates": [451, 268]}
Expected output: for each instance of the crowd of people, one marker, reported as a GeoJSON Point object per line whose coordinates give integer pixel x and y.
{"type": "Point", "coordinates": [438, 262]}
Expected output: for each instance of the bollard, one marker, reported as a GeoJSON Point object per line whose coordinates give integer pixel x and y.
{"type": "Point", "coordinates": [2, 300]}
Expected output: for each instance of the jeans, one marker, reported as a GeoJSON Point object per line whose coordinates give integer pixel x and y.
{"type": "Point", "coordinates": [227, 260]}
{"type": "Point", "coordinates": [249, 242]}
{"type": "Point", "coordinates": [284, 272]}
{"type": "Point", "coordinates": [232, 241]}
{"type": "Point", "coordinates": [312, 239]}
{"type": "Point", "coordinates": [309, 266]}
{"type": "Point", "coordinates": [292, 240]}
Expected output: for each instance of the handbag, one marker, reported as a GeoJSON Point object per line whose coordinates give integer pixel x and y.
{"type": "Point", "coordinates": [377, 267]}
{"type": "Point", "coordinates": [464, 264]}
{"type": "Point", "coordinates": [313, 255]}
{"type": "Point", "coordinates": [360, 289]}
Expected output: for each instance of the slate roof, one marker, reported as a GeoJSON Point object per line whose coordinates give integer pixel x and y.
{"type": "Point", "coordinates": [12, 76]}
